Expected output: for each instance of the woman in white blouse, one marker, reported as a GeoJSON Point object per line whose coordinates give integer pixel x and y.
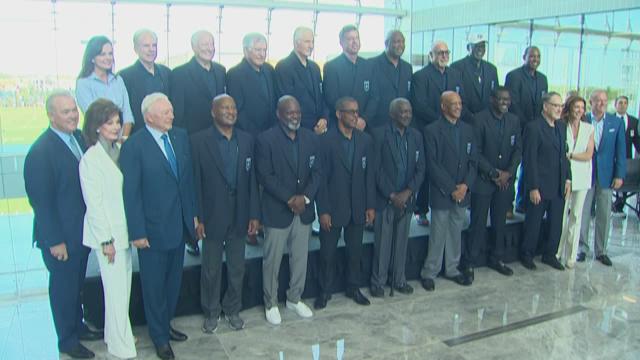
{"type": "Point", "coordinates": [105, 227]}
{"type": "Point", "coordinates": [580, 145]}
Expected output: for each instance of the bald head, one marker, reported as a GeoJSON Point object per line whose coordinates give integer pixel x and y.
{"type": "Point", "coordinates": [451, 105]}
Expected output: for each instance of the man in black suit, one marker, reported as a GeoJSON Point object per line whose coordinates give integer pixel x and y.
{"type": "Point", "coordinates": [400, 164]}
{"type": "Point", "coordinates": [499, 150]}
{"type": "Point", "coordinates": [479, 77]}
{"type": "Point", "coordinates": [228, 207]}
{"type": "Point", "coordinates": [548, 181]}
{"type": "Point", "coordinates": [289, 169]}
{"type": "Point", "coordinates": [195, 83]}
{"type": "Point", "coordinates": [145, 76]}
{"type": "Point", "coordinates": [251, 84]}
{"type": "Point", "coordinates": [346, 199]}
{"type": "Point", "coordinates": [52, 183]}
{"type": "Point", "coordinates": [427, 86]}
{"type": "Point", "coordinates": [451, 169]}
{"type": "Point", "coordinates": [299, 76]}
{"type": "Point", "coordinates": [160, 208]}
{"type": "Point", "coordinates": [527, 86]}
{"type": "Point", "coordinates": [393, 76]}
{"type": "Point", "coordinates": [632, 142]}
{"type": "Point", "coordinates": [351, 75]}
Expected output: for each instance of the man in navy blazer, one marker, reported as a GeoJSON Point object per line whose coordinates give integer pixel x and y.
{"type": "Point", "coordinates": [160, 209]}
{"type": "Point", "coordinates": [451, 168]}
{"type": "Point", "coordinates": [393, 76]}
{"type": "Point", "coordinates": [299, 76]}
{"type": "Point", "coordinates": [632, 141]}
{"type": "Point", "coordinates": [400, 168]}
{"type": "Point", "coordinates": [228, 209]}
{"type": "Point", "coordinates": [52, 183]}
{"type": "Point", "coordinates": [289, 169]}
{"type": "Point", "coordinates": [252, 85]}
{"type": "Point", "coordinates": [346, 199]}
{"type": "Point", "coordinates": [609, 169]}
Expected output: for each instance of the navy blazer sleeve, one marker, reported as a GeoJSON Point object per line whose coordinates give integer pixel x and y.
{"type": "Point", "coordinates": [254, 192]}
{"type": "Point", "coordinates": [479, 133]}
{"type": "Point", "coordinates": [419, 100]}
{"type": "Point", "coordinates": [265, 171]}
{"type": "Point", "coordinates": [516, 153]}
{"type": "Point", "coordinates": [620, 170]}
{"type": "Point", "coordinates": [323, 203]}
{"type": "Point", "coordinates": [370, 175]}
{"type": "Point", "coordinates": [177, 96]}
{"type": "Point", "coordinates": [330, 85]}
{"type": "Point", "coordinates": [437, 174]}
{"type": "Point", "coordinates": [532, 134]}
{"type": "Point", "coordinates": [383, 183]}
{"type": "Point", "coordinates": [311, 190]}
{"type": "Point", "coordinates": [132, 190]}
{"type": "Point", "coordinates": [418, 176]}
{"type": "Point", "coordinates": [512, 82]}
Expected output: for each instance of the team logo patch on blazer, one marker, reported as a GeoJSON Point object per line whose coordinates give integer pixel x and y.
{"type": "Point", "coordinates": [493, 84]}
{"type": "Point", "coordinates": [612, 130]}
{"type": "Point", "coordinates": [417, 155]}
{"type": "Point", "coordinates": [320, 87]}
{"type": "Point", "coordinates": [458, 89]}
{"type": "Point", "coordinates": [366, 85]}
{"type": "Point", "coordinates": [312, 159]}
{"type": "Point", "coordinates": [468, 148]}
{"type": "Point", "coordinates": [409, 85]}
{"type": "Point", "coordinates": [632, 133]}
{"type": "Point", "coordinates": [247, 164]}
{"type": "Point", "coordinates": [513, 140]}
{"type": "Point", "coordinates": [364, 162]}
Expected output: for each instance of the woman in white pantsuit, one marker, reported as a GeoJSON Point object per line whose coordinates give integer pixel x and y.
{"type": "Point", "coordinates": [105, 226]}
{"type": "Point", "coordinates": [580, 146]}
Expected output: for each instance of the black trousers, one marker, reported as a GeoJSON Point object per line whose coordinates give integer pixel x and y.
{"type": "Point", "coordinates": [328, 252]}
{"type": "Point", "coordinates": [422, 202]}
{"type": "Point", "coordinates": [498, 203]}
{"type": "Point", "coordinates": [554, 209]}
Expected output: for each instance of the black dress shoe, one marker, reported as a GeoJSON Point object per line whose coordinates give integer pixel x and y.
{"type": "Point", "coordinates": [460, 279]}
{"type": "Point", "coordinates": [193, 249]}
{"type": "Point", "coordinates": [80, 352]}
{"type": "Point", "coordinates": [176, 335]}
{"type": "Point", "coordinates": [553, 262]}
{"type": "Point", "coordinates": [404, 289]}
{"type": "Point", "coordinates": [468, 272]}
{"type": "Point", "coordinates": [91, 335]}
{"type": "Point", "coordinates": [376, 291]}
{"type": "Point", "coordinates": [581, 257]}
{"type": "Point", "coordinates": [604, 259]}
{"type": "Point", "coordinates": [528, 263]}
{"type": "Point", "coordinates": [165, 352]}
{"type": "Point", "coordinates": [500, 267]}
{"type": "Point", "coordinates": [321, 301]}
{"type": "Point", "coordinates": [428, 284]}
{"type": "Point", "coordinates": [358, 297]}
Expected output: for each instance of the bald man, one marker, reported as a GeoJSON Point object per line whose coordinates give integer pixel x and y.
{"type": "Point", "coordinates": [451, 168]}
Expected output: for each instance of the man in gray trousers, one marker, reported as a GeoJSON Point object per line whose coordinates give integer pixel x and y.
{"type": "Point", "coordinates": [289, 169]}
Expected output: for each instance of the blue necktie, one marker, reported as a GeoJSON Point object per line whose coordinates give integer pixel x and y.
{"type": "Point", "coordinates": [75, 148]}
{"type": "Point", "coordinates": [171, 156]}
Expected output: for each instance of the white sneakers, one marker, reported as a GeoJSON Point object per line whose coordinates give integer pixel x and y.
{"type": "Point", "coordinates": [300, 308]}
{"type": "Point", "coordinates": [273, 314]}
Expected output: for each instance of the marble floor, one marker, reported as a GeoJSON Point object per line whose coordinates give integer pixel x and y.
{"type": "Point", "coordinates": [590, 312]}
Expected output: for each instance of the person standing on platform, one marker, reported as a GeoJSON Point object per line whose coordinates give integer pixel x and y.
{"type": "Point", "coordinates": [451, 169]}
{"type": "Point", "coordinates": [290, 171]}
{"type": "Point", "coordinates": [105, 225]}
{"type": "Point", "coordinates": [527, 86]}
{"type": "Point", "coordinates": [632, 141]}
{"type": "Point", "coordinates": [609, 169]}
{"type": "Point", "coordinates": [160, 208]}
{"type": "Point", "coordinates": [427, 86]}
{"type": "Point", "coordinates": [345, 201]}
{"type": "Point", "coordinates": [400, 163]}
{"type": "Point", "coordinates": [499, 151]}
{"type": "Point", "coordinates": [251, 84]}
{"type": "Point", "coordinates": [195, 83]}
{"type": "Point", "coordinates": [393, 76]}
{"type": "Point", "coordinates": [145, 76]}
{"type": "Point", "coordinates": [548, 182]}
{"type": "Point", "coordinates": [96, 80]}
{"type": "Point", "coordinates": [52, 184]}
{"type": "Point", "coordinates": [351, 75]}
{"type": "Point", "coordinates": [580, 145]}
{"type": "Point", "coordinates": [228, 209]}
{"type": "Point", "coordinates": [299, 76]}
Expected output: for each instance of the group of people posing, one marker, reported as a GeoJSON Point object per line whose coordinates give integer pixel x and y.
{"type": "Point", "coordinates": [173, 157]}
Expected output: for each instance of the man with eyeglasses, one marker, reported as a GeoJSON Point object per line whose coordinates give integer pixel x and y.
{"type": "Point", "coordinates": [548, 181]}
{"type": "Point", "coordinates": [427, 85]}
{"type": "Point", "coordinates": [345, 201]}
{"type": "Point", "coordinates": [251, 84]}
{"type": "Point", "coordinates": [527, 85]}
{"type": "Point", "coordinates": [609, 170]}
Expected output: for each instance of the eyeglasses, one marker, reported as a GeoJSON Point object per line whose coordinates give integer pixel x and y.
{"type": "Point", "coordinates": [442, 53]}
{"type": "Point", "coordinates": [555, 105]}
{"type": "Point", "coordinates": [350, 112]}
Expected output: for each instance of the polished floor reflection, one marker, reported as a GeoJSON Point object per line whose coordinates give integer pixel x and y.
{"type": "Point", "coordinates": [590, 312]}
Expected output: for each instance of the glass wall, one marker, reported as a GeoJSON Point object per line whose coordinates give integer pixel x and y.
{"type": "Point", "coordinates": [584, 52]}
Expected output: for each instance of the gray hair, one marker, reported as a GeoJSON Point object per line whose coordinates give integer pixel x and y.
{"type": "Point", "coordinates": [546, 97]}
{"type": "Point", "coordinates": [596, 92]}
{"type": "Point", "coordinates": [151, 99]}
{"type": "Point", "coordinates": [436, 43]}
{"type": "Point", "coordinates": [138, 34]}
{"type": "Point", "coordinates": [53, 96]}
{"type": "Point", "coordinates": [397, 102]}
{"type": "Point", "coordinates": [251, 38]}
{"type": "Point", "coordinates": [297, 33]}
{"type": "Point", "coordinates": [196, 36]}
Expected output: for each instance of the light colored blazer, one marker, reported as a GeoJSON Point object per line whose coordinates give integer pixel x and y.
{"type": "Point", "coordinates": [101, 182]}
{"type": "Point", "coordinates": [580, 170]}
